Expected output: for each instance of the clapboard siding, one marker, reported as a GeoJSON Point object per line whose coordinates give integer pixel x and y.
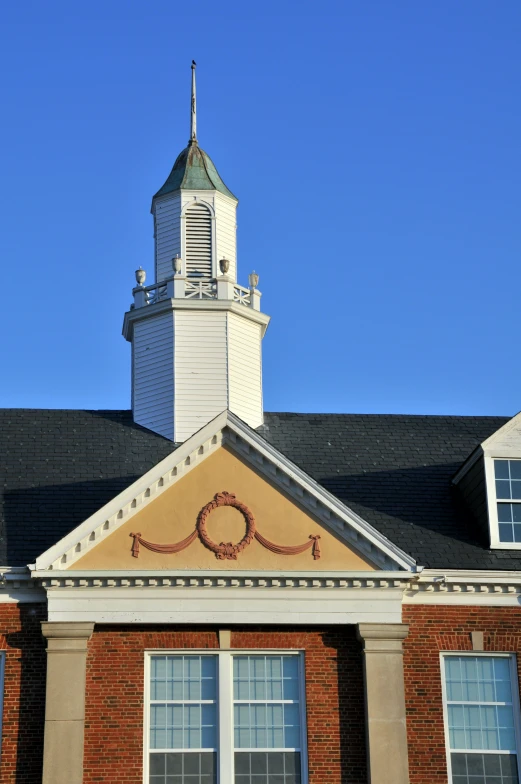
{"type": "Point", "coordinates": [226, 231]}
{"type": "Point", "coordinates": [201, 386]}
{"type": "Point", "coordinates": [244, 367]}
{"type": "Point", "coordinates": [167, 234]}
{"type": "Point", "coordinates": [168, 222]}
{"type": "Point", "coordinates": [153, 370]}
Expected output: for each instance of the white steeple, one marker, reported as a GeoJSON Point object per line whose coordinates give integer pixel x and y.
{"type": "Point", "coordinates": [195, 333]}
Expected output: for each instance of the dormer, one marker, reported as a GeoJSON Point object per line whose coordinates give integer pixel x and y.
{"type": "Point", "coordinates": [490, 483]}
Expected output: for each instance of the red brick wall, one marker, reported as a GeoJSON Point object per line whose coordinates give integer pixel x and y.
{"type": "Point", "coordinates": [435, 629]}
{"type": "Point", "coordinates": [24, 693]}
{"type": "Point", "coordinates": [114, 711]}
{"type": "Point", "coordinates": [115, 679]}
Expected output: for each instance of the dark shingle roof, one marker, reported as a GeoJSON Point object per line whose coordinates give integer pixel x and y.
{"type": "Point", "coordinates": [59, 467]}
{"type": "Point", "coordinates": [394, 471]}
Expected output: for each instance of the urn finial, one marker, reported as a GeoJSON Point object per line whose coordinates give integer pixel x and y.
{"type": "Point", "coordinates": [177, 264]}
{"type": "Point", "coordinates": [141, 276]}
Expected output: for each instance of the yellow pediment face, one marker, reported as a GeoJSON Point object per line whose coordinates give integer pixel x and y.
{"type": "Point", "coordinates": [222, 515]}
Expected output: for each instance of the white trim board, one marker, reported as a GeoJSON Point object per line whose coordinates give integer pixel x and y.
{"type": "Point", "coordinates": [168, 305]}
{"type": "Point", "coordinates": [181, 597]}
{"type": "Point", "coordinates": [228, 429]}
{"type": "Point", "coordinates": [236, 606]}
{"type": "Point", "coordinates": [465, 587]}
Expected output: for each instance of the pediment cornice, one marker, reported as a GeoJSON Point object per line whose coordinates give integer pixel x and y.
{"type": "Point", "coordinates": [227, 429]}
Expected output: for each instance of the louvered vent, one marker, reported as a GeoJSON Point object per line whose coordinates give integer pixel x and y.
{"type": "Point", "coordinates": [198, 242]}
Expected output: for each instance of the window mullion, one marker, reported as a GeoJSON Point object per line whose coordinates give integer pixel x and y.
{"type": "Point", "coordinates": [225, 755]}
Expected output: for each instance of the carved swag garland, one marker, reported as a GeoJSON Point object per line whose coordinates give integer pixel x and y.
{"type": "Point", "coordinates": [226, 550]}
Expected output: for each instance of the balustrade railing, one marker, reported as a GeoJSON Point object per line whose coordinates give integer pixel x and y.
{"type": "Point", "coordinates": [242, 294]}
{"type": "Point", "coordinates": [155, 293]}
{"type": "Point", "coordinates": [200, 290]}
{"type": "Point", "coordinates": [179, 287]}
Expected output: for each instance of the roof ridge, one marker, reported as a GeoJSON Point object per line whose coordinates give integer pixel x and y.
{"type": "Point", "coordinates": [381, 415]}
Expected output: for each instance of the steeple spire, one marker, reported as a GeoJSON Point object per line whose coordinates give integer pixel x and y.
{"type": "Point", "coordinates": [193, 117]}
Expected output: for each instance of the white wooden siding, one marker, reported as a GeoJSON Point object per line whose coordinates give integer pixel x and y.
{"type": "Point", "coordinates": [201, 384]}
{"type": "Point", "coordinates": [153, 374]}
{"type": "Point", "coordinates": [167, 234]}
{"type": "Point", "coordinates": [168, 229]}
{"type": "Point", "coordinates": [245, 370]}
{"type": "Point", "coordinates": [226, 231]}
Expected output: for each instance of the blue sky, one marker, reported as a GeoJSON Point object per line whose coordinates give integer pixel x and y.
{"type": "Point", "coordinates": [374, 147]}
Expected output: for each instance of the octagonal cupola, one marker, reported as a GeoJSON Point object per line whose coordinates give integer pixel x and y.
{"type": "Point", "coordinates": [195, 332]}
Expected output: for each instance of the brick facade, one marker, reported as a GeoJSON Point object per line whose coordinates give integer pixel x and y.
{"type": "Point", "coordinates": [114, 706]}
{"type": "Point", "coordinates": [334, 689]}
{"type": "Point", "coordinates": [444, 628]}
{"type": "Point", "coordinates": [24, 693]}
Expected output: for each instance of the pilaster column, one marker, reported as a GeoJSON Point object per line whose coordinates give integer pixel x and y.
{"type": "Point", "coordinates": [386, 730]}
{"type": "Point", "coordinates": [65, 701]}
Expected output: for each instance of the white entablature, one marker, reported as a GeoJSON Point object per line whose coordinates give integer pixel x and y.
{"type": "Point", "coordinates": [195, 332]}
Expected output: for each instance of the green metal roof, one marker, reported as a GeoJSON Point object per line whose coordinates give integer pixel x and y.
{"type": "Point", "coordinates": [194, 170]}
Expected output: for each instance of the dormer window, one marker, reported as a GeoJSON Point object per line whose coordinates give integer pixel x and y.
{"type": "Point", "coordinates": [489, 483]}
{"type": "Point", "coordinates": [507, 476]}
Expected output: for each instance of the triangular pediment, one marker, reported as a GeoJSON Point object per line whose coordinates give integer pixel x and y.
{"type": "Point", "coordinates": [225, 499]}
{"type": "Point", "coordinates": [198, 524]}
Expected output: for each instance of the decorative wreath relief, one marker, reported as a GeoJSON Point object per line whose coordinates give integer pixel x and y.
{"type": "Point", "coordinates": [226, 550]}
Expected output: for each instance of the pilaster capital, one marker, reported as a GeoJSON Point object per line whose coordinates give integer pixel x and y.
{"type": "Point", "coordinates": [70, 637]}
{"type": "Point", "coordinates": [382, 637]}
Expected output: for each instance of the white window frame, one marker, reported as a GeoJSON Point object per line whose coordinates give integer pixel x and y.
{"type": "Point", "coordinates": [492, 502]}
{"type": "Point", "coordinates": [225, 729]}
{"type": "Point", "coordinates": [515, 703]}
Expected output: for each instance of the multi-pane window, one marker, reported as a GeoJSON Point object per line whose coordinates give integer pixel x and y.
{"type": "Point", "coordinates": [225, 718]}
{"type": "Point", "coordinates": [183, 721]}
{"type": "Point", "coordinates": [507, 475]}
{"type": "Point", "coordinates": [481, 714]}
{"type": "Point", "coordinates": [266, 719]}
